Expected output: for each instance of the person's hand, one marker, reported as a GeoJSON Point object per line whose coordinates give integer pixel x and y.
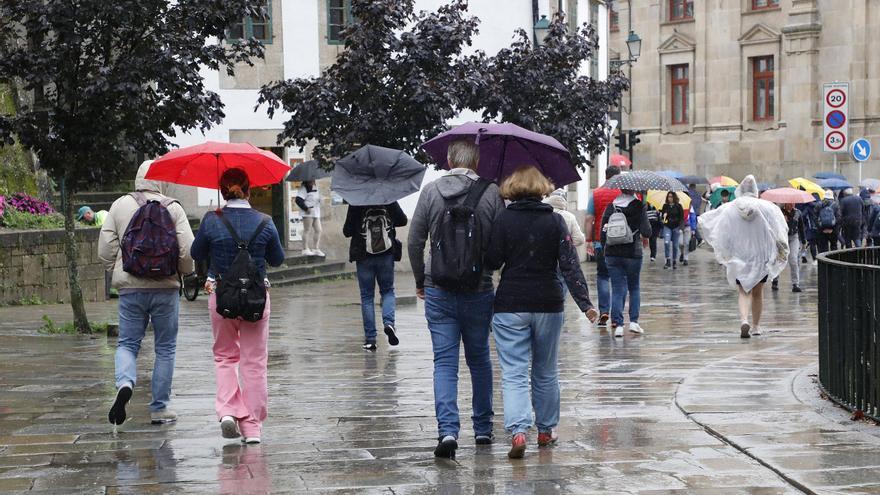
{"type": "Point", "coordinates": [210, 286]}
{"type": "Point", "coordinates": [420, 293]}
{"type": "Point", "coordinates": [591, 248]}
{"type": "Point", "coordinates": [592, 314]}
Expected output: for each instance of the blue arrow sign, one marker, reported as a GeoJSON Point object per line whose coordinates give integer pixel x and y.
{"type": "Point", "coordinates": [861, 150]}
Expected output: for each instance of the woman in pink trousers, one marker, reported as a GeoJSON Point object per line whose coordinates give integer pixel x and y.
{"type": "Point", "coordinates": [240, 347]}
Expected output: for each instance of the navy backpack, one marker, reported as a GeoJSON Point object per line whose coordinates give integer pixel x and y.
{"type": "Point", "coordinates": [149, 246]}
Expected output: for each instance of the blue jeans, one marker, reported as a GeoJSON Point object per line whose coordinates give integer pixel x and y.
{"type": "Point", "coordinates": [455, 318]}
{"type": "Point", "coordinates": [136, 309]}
{"type": "Point", "coordinates": [371, 270]}
{"type": "Point", "coordinates": [670, 243]}
{"type": "Point", "coordinates": [625, 274]}
{"type": "Point", "coordinates": [603, 280]}
{"type": "Point", "coordinates": [519, 337]}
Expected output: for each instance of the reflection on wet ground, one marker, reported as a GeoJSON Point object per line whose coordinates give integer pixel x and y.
{"type": "Point", "coordinates": [687, 408]}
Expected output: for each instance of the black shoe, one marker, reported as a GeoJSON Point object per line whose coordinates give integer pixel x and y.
{"type": "Point", "coordinates": [685, 262]}
{"type": "Point", "coordinates": [795, 288]}
{"type": "Point", "coordinates": [484, 439]}
{"type": "Point", "coordinates": [117, 412]}
{"type": "Point", "coordinates": [681, 259]}
{"type": "Point", "coordinates": [369, 346]}
{"type": "Point", "coordinates": [774, 286]}
{"type": "Point", "coordinates": [674, 266]}
{"type": "Point", "coordinates": [392, 337]}
{"type": "Point", "coordinates": [668, 265]}
{"type": "Point", "coordinates": [446, 448]}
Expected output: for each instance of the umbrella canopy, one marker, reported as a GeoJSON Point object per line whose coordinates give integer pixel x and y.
{"type": "Point", "coordinates": [723, 180]}
{"type": "Point", "coordinates": [785, 195]}
{"type": "Point", "coordinates": [766, 186]}
{"type": "Point", "coordinates": [830, 175]}
{"type": "Point", "coordinates": [671, 173]}
{"type": "Point", "coordinates": [657, 199]}
{"type": "Point", "coordinates": [620, 161]}
{"type": "Point", "coordinates": [834, 184]}
{"type": "Point", "coordinates": [872, 184]}
{"type": "Point", "coordinates": [715, 198]}
{"type": "Point", "coordinates": [807, 185]}
{"type": "Point", "coordinates": [692, 179]}
{"type": "Point", "coordinates": [307, 171]}
{"type": "Point", "coordinates": [506, 147]}
{"type": "Point", "coordinates": [203, 164]}
{"type": "Point", "coordinates": [374, 175]}
{"type": "Point", "coordinates": [643, 180]}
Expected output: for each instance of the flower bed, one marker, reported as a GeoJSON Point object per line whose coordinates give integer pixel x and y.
{"type": "Point", "coordinates": [20, 211]}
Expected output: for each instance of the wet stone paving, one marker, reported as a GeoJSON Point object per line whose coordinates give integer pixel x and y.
{"type": "Point", "coordinates": [687, 408]}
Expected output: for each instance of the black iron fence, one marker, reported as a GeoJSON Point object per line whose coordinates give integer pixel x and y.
{"type": "Point", "coordinates": [849, 324]}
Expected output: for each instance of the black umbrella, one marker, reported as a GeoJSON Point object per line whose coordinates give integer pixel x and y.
{"type": "Point", "coordinates": [307, 171]}
{"type": "Point", "coordinates": [643, 180]}
{"type": "Point", "coordinates": [374, 175]}
{"type": "Point", "coordinates": [693, 179]}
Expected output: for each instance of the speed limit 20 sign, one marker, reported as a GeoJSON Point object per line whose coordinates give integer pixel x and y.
{"type": "Point", "coordinates": [835, 118]}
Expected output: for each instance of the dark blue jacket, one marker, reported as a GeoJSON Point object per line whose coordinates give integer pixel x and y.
{"type": "Point", "coordinates": [213, 240]}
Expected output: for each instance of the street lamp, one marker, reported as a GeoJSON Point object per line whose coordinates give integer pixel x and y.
{"type": "Point", "coordinates": [634, 47]}
{"type": "Point", "coordinates": [541, 28]}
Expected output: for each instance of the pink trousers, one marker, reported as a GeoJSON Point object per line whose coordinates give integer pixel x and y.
{"type": "Point", "coordinates": [241, 354]}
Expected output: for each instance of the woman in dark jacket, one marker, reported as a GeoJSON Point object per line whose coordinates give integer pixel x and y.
{"type": "Point", "coordinates": [241, 351]}
{"type": "Point", "coordinates": [672, 216]}
{"type": "Point", "coordinates": [625, 261]}
{"type": "Point", "coordinates": [531, 242]}
{"type": "Point", "coordinates": [375, 265]}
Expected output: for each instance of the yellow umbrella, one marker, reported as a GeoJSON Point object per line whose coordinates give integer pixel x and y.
{"type": "Point", "coordinates": [723, 180]}
{"type": "Point", "coordinates": [658, 198]}
{"type": "Point", "coordinates": [808, 185]}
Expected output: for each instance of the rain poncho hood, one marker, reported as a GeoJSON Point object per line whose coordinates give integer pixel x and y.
{"type": "Point", "coordinates": [749, 236]}
{"type": "Point", "coordinates": [141, 183]}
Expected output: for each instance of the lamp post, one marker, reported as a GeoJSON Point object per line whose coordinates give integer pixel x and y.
{"type": "Point", "coordinates": [634, 47]}
{"type": "Point", "coordinates": [541, 28]}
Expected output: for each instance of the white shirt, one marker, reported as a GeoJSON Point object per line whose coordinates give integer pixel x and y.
{"type": "Point", "coordinates": [313, 202]}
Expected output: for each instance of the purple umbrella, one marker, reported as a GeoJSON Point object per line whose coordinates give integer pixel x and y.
{"type": "Point", "coordinates": [506, 147]}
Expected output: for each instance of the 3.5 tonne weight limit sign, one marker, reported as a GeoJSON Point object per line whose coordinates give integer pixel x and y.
{"type": "Point", "coordinates": [835, 121]}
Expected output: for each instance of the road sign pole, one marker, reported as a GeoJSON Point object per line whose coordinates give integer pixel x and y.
{"type": "Point", "coordinates": [835, 161]}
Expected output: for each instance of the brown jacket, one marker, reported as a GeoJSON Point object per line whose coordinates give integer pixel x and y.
{"type": "Point", "coordinates": [114, 228]}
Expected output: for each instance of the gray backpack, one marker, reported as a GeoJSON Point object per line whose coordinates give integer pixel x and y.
{"type": "Point", "coordinates": [617, 229]}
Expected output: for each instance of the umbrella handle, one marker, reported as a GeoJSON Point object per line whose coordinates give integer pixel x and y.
{"type": "Point", "coordinates": [480, 131]}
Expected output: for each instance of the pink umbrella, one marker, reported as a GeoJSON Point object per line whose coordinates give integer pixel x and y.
{"type": "Point", "coordinates": [786, 195]}
{"type": "Point", "coordinates": [620, 161]}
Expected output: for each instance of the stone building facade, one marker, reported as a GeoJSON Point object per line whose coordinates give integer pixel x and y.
{"type": "Point", "coordinates": [735, 86]}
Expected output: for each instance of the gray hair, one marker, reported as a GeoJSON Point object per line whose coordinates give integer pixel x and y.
{"type": "Point", "coordinates": [463, 153]}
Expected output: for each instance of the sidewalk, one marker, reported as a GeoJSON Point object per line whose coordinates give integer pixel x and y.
{"type": "Point", "coordinates": [687, 408]}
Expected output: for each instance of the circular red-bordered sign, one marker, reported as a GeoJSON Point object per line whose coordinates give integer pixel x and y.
{"type": "Point", "coordinates": [835, 119]}
{"type": "Point", "coordinates": [832, 98]}
{"type": "Point", "coordinates": [832, 134]}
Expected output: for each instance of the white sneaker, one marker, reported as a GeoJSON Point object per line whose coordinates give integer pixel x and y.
{"type": "Point", "coordinates": [815, 262]}
{"type": "Point", "coordinates": [308, 252]}
{"type": "Point", "coordinates": [636, 328]}
{"type": "Point", "coordinates": [318, 252]}
{"type": "Point", "coordinates": [251, 440]}
{"type": "Point", "coordinates": [756, 330]}
{"type": "Point", "coordinates": [229, 427]}
{"type": "Point", "coordinates": [618, 332]}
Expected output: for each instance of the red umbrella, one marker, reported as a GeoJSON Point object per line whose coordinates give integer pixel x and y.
{"type": "Point", "coordinates": [785, 195]}
{"type": "Point", "coordinates": [620, 161]}
{"type": "Point", "coordinates": [203, 164]}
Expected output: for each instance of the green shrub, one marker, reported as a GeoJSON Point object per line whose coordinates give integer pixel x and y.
{"type": "Point", "coordinates": [52, 328]}
{"type": "Point", "coordinates": [19, 220]}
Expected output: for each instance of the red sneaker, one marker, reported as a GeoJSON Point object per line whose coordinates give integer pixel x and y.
{"type": "Point", "coordinates": [517, 446]}
{"type": "Point", "coordinates": [547, 438]}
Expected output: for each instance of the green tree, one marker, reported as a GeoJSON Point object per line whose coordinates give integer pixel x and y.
{"type": "Point", "coordinates": [110, 79]}
{"type": "Point", "coordinates": [542, 88]}
{"type": "Point", "coordinates": [401, 77]}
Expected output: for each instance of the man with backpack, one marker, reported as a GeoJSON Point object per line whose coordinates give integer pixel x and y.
{"type": "Point", "coordinates": [374, 248]}
{"type": "Point", "coordinates": [828, 222]}
{"type": "Point", "coordinates": [852, 219]}
{"type": "Point", "coordinates": [145, 241]}
{"type": "Point", "coordinates": [455, 214]}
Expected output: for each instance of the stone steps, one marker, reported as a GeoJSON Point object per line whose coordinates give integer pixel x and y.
{"type": "Point", "coordinates": [299, 269]}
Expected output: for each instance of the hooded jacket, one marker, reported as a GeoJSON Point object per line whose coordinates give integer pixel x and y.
{"type": "Point", "coordinates": [561, 208]}
{"type": "Point", "coordinates": [114, 228]}
{"type": "Point", "coordinates": [426, 220]}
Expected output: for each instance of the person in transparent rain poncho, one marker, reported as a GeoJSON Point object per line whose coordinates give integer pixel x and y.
{"type": "Point", "coordinates": [750, 238]}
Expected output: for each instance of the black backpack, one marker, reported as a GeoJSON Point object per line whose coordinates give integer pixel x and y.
{"type": "Point", "coordinates": [241, 291]}
{"type": "Point", "coordinates": [457, 249]}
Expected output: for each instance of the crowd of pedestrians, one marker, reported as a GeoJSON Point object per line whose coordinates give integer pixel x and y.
{"type": "Point", "coordinates": [464, 229]}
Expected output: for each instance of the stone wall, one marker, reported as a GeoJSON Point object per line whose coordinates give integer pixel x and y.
{"type": "Point", "coordinates": [33, 266]}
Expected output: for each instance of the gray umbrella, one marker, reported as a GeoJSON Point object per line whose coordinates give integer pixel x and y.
{"type": "Point", "coordinates": [374, 175]}
{"type": "Point", "coordinates": [643, 180]}
{"type": "Point", "coordinates": [307, 171]}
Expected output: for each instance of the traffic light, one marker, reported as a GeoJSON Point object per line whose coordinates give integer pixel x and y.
{"type": "Point", "coordinates": [621, 142]}
{"type": "Point", "coordinates": [634, 139]}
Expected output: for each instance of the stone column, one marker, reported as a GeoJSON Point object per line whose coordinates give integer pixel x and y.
{"type": "Point", "coordinates": [799, 85]}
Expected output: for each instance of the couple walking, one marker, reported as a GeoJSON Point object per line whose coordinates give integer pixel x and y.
{"type": "Point", "coordinates": [470, 234]}
{"type": "Point", "coordinates": [224, 237]}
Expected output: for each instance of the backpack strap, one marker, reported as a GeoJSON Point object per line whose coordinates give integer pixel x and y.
{"type": "Point", "coordinates": [232, 232]}
{"type": "Point", "coordinates": [259, 230]}
{"type": "Point", "coordinates": [476, 193]}
{"type": "Point", "coordinates": [139, 197]}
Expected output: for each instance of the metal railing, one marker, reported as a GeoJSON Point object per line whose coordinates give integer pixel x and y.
{"type": "Point", "coordinates": [849, 325]}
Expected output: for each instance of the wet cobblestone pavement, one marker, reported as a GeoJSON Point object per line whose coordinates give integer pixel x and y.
{"type": "Point", "coordinates": [686, 408]}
